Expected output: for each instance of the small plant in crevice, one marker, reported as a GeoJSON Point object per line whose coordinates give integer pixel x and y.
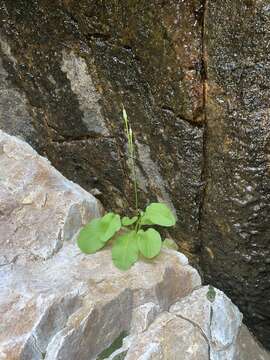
{"type": "Point", "coordinates": [132, 236]}
{"type": "Point", "coordinates": [211, 293]}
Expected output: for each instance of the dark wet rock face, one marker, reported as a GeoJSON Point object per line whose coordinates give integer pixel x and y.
{"type": "Point", "coordinates": [66, 68]}
{"type": "Point", "coordinates": [235, 221]}
{"type": "Point", "coordinates": [74, 64]}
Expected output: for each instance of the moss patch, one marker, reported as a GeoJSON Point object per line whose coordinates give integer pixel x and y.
{"type": "Point", "coordinates": [116, 344]}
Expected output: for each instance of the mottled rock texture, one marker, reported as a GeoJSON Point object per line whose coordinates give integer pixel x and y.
{"type": "Point", "coordinates": [194, 78]}
{"type": "Point", "coordinates": [74, 64]}
{"type": "Point", "coordinates": [59, 304]}
{"type": "Point", "coordinates": [219, 321]}
{"type": "Point", "coordinates": [55, 302]}
{"type": "Point", "coordinates": [193, 329]}
{"type": "Point", "coordinates": [89, 305]}
{"type": "Point", "coordinates": [236, 211]}
{"type": "Point", "coordinates": [39, 208]}
{"type": "Point", "coordinates": [248, 348]}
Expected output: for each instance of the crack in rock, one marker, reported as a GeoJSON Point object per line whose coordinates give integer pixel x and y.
{"type": "Point", "coordinates": [201, 331]}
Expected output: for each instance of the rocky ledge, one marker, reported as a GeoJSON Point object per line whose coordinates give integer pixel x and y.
{"type": "Point", "coordinates": [57, 303]}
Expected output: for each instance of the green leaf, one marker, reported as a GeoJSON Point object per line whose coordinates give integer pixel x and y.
{"type": "Point", "coordinates": [169, 244]}
{"type": "Point", "coordinates": [126, 221]}
{"type": "Point", "coordinates": [95, 234]}
{"type": "Point", "coordinates": [110, 224]}
{"type": "Point", "coordinates": [125, 250]}
{"type": "Point", "coordinates": [145, 221]}
{"type": "Point", "coordinates": [90, 237]}
{"type": "Point", "coordinates": [149, 243]}
{"type": "Point", "coordinates": [159, 214]}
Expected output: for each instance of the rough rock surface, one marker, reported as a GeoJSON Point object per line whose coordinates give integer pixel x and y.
{"type": "Point", "coordinates": [72, 69]}
{"type": "Point", "coordinates": [194, 78]}
{"type": "Point", "coordinates": [55, 302]}
{"type": "Point", "coordinates": [169, 337]}
{"type": "Point", "coordinates": [59, 304]}
{"type": "Point", "coordinates": [219, 321]}
{"type": "Point", "coordinates": [235, 216]}
{"type": "Point", "coordinates": [194, 328]}
{"type": "Point", "coordinates": [39, 207]}
{"type": "Point", "coordinates": [73, 306]}
{"type": "Point", "coordinates": [248, 348]}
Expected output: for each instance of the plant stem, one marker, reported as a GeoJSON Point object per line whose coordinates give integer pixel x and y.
{"type": "Point", "coordinates": [134, 172]}
{"type": "Point", "coordinates": [138, 223]}
{"type": "Point", "coordinates": [131, 153]}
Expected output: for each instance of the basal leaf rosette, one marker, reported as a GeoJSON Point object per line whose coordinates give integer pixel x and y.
{"type": "Point", "coordinates": [126, 247]}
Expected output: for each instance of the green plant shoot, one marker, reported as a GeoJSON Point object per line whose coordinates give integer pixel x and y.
{"type": "Point", "coordinates": [131, 155]}
{"type": "Point", "coordinates": [133, 239]}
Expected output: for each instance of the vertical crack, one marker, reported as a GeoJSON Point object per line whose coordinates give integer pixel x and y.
{"type": "Point", "coordinates": [205, 134]}
{"type": "Point", "coordinates": [197, 326]}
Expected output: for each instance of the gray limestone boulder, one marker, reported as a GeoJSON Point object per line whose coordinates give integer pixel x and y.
{"type": "Point", "coordinates": [195, 328]}
{"type": "Point", "coordinates": [55, 302]}
{"type": "Point", "coordinates": [59, 304]}
{"type": "Point", "coordinates": [247, 348]}
{"type": "Point", "coordinates": [39, 207]}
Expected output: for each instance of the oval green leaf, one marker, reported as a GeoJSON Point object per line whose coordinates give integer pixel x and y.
{"type": "Point", "coordinates": [97, 232]}
{"type": "Point", "coordinates": [125, 251]}
{"type": "Point", "coordinates": [126, 221]}
{"type": "Point", "coordinates": [159, 214]}
{"type": "Point", "coordinates": [90, 237]}
{"type": "Point", "coordinates": [109, 224]}
{"type": "Point", "coordinates": [149, 243]}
